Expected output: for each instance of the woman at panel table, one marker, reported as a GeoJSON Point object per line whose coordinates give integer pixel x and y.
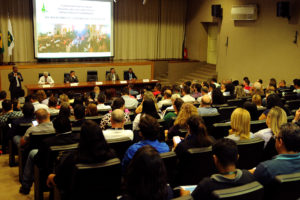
{"type": "Point", "coordinates": [46, 79]}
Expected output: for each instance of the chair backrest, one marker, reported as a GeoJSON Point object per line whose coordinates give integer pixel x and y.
{"type": "Point", "coordinates": [92, 76]}
{"type": "Point", "coordinates": [290, 96]}
{"type": "Point", "coordinates": [165, 106]}
{"type": "Point", "coordinates": [220, 130]}
{"type": "Point", "coordinates": [92, 180]}
{"type": "Point", "coordinates": [96, 119]}
{"type": "Point", "coordinates": [42, 74]}
{"type": "Point", "coordinates": [209, 120]}
{"type": "Point", "coordinates": [36, 139]}
{"type": "Point", "coordinates": [248, 191]}
{"type": "Point", "coordinates": [293, 104]}
{"type": "Point", "coordinates": [128, 126]}
{"type": "Point", "coordinates": [219, 105]}
{"type": "Point", "coordinates": [22, 128]}
{"type": "Point", "coordinates": [195, 165]}
{"type": "Point", "coordinates": [185, 197]}
{"type": "Point", "coordinates": [170, 160]}
{"type": "Point", "coordinates": [251, 152]}
{"type": "Point", "coordinates": [107, 72]}
{"type": "Point", "coordinates": [235, 102]}
{"type": "Point", "coordinates": [120, 146]}
{"type": "Point", "coordinates": [257, 125]}
{"type": "Point", "coordinates": [226, 112]}
{"type": "Point", "coordinates": [66, 75]}
{"type": "Point", "coordinates": [53, 116]}
{"type": "Point", "coordinates": [287, 186]}
{"type": "Point", "coordinates": [104, 111]}
{"type": "Point", "coordinates": [124, 73]}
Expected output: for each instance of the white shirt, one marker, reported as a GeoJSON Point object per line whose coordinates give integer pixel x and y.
{"type": "Point", "coordinates": [164, 102]}
{"type": "Point", "coordinates": [130, 102]}
{"type": "Point", "coordinates": [43, 80]}
{"type": "Point", "coordinates": [188, 98]}
{"type": "Point", "coordinates": [264, 134]}
{"type": "Point", "coordinates": [117, 134]}
{"type": "Point", "coordinates": [102, 106]}
{"type": "Point", "coordinates": [135, 125]}
{"type": "Point", "coordinates": [237, 138]}
{"type": "Point", "coordinates": [38, 105]}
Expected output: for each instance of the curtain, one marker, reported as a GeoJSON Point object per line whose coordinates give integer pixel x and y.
{"type": "Point", "coordinates": [151, 31]}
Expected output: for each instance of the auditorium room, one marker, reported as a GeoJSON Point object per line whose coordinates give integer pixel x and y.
{"type": "Point", "coordinates": [149, 99]}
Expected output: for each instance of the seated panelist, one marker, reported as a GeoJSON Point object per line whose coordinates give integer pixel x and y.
{"type": "Point", "coordinates": [46, 79]}
{"type": "Point", "coordinates": [112, 75]}
{"type": "Point", "coordinates": [72, 78]}
{"type": "Point", "coordinates": [130, 75]}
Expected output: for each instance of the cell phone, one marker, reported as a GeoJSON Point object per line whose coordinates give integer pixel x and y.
{"type": "Point", "coordinates": [176, 139]}
{"type": "Point", "coordinates": [35, 123]}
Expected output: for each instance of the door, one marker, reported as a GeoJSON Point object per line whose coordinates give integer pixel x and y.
{"type": "Point", "coordinates": [213, 31]}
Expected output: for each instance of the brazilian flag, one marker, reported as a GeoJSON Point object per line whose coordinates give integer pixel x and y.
{"type": "Point", "coordinates": [1, 43]}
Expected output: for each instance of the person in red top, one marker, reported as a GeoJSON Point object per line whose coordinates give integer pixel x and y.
{"type": "Point", "coordinates": [246, 84]}
{"type": "Point", "coordinates": [156, 90]}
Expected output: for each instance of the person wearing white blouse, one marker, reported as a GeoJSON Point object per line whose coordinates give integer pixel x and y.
{"type": "Point", "coordinates": [46, 79]}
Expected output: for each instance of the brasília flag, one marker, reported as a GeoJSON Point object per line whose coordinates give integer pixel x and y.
{"type": "Point", "coordinates": [1, 43]}
{"type": "Point", "coordinates": [10, 38]}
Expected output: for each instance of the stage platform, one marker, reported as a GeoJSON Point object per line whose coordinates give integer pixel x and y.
{"type": "Point", "coordinates": [30, 71]}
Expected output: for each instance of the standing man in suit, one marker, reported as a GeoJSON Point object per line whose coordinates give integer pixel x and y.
{"type": "Point", "coordinates": [130, 75]}
{"type": "Point", "coordinates": [112, 75]}
{"type": "Point", "coordinates": [72, 78]}
{"type": "Point", "coordinates": [15, 78]}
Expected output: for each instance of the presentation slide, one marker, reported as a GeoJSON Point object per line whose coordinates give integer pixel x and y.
{"type": "Point", "coordinates": [73, 28]}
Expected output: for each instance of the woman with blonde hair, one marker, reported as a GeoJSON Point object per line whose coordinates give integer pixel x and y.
{"type": "Point", "coordinates": [41, 97]}
{"type": "Point", "coordinates": [147, 95]}
{"type": "Point", "coordinates": [186, 111]}
{"type": "Point", "coordinates": [240, 125]}
{"type": "Point", "coordinates": [276, 117]}
{"type": "Point", "coordinates": [256, 99]}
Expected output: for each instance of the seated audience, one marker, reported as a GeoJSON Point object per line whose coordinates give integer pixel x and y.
{"type": "Point", "coordinates": [79, 114]}
{"type": "Point", "coordinates": [296, 120]}
{"type": "Point", "coordinates": [257, 89]}
{"type": "Point", "coordinates": [256, 99]}
{"type": "Point", "coordinates": [166, 99]}
{"type": "Point", "coordinates": [46, 79]}
{"type": "Point", "coordinates": [176, 91]}
{"type": "Point", "coordinates": [149, 109]}
{"type": "Point", "coordinates": [186, 97]}
{"type": "Point", "coordinates": [197, 136]}
{"type": "Point", "coordinates": [288, 161]}
{"type": "Point", "coordinates": [37, 105]}
{"type": "Point", "coordinates": [147, 95]}
{"type": "Point", "coordinates": [101, 100]}
{"type": "Point", "coordinates": [16, 105]}
{"type": "Point", "coordinates": [42, 97]}
{"type": "Point", "coordinates": [214, 81]}
{"type": "Point", "coordinates": [177, 103]}
{"type": "Point", "coordinates": [118, 103]}
{"type": "Point", "coordinates": [196, 90]}
{"type": "Point", "coordinates": [240, 125]}
{"type": "Point", "coordinates": [21, 98]}
{"type": "Point", "coordinates": [246, 85]}
{"type": "Point", "coordinates": [225, 156]}
{"type": "Point", "coordinates": [91, 110]}
{"type": "Point", "coordinates": [252, 109]}
{"type": "Point", "coordinates": [52, 104]}
{"type": "Point", "coordinates": [93, 148]}
{"type": "Point", "coordinates": [132, 91]}
{"type": "Point", "coordinates": [156, 90]}
{"type": "Point", "coordinates": [297, 86]}
{"type": "Point", "coordinates": [275, 119]}
{"type": "Point", "coordinates": [282, 85]}
{"type": "Point", "coordinates": [205, 106]}
{"type": "Point", "coordinates": [8, 112]}
{"type": "Point", "coordinates": [3, 95]}
{"type": "Point", "coordinates": [149, 130]}
{"type": "Point", "coordinates": [272, 100]}
{"type": "Point", "coordinates": [217, 97]}
{"type": "Point", "coordinates": [117, 127]}
{"type": "Point", "coordinates": [65, 110]}
{"type": "Point", "coordinates": [273, 83]}
{"type": "Point", "coordinates": [129, 101]}
{"type": "Point", "coordinates": [229, 89]}
{"type": "Point", "coordinates": [146, 177]}
{"type": "Point", "coordinates": [240, 92]}
{"type": "Point", "coordinates": [204, 92]}
{"type": "Point", "coordinates": [64, 98]}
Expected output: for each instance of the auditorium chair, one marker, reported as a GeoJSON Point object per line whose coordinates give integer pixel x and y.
{"type": "Point", "coordinates": [165, 106]}
{"type": "Point", "coordinates": [261, 111]}
{"type": "Point", "coordinates": [248, 191]}
{"type": "Point", "coordinates": [102, 180]}
{"type": "Point", "coordinates": [96, 119]}
{"type": "Point", "coordinates": [185, 197]}
{"type": "Point", "coordinates": [235, 102]}
{"type": "Point", "coordinates": [287, 187]}
{"type": "Point", "coordinates": [226, 112]}
{"type": "Point", "coordinates": [293, 104]}
{"type": "Point", "coordinates": [41, 172]}
{"type": "Point", "coordinates": [53, 116]}
{"type": "Point", "coordinates": [219, 105]}
{"type": "Point", "coordinates": [257, 125]}
{"type": "Point", "coordinates": [220, 130]}
{"type": "Point", "coordinates": [211, 119]}
{"type": "Point", "coordinates": [42, 74]}
{"type": "Point", "coordinates": [196, 164]}
{"type": "Point", "coordinates": [290, 118]}
{"type": "Point", "coordinates": [120, 145]}
{"type": "Point", "coordinates": [66, 75]}
{"type": "Point", "coordinates": [132, 116]}
{"type": "Point", "coordinates": [170, 160]}
{"type": "Point", "coordinates": [196, 104]}
{"type": "Point", "coordinates": [104, 111]}
{"type": "Point", "coordinates": [13, 149]}
{"type": "Point", "coordinates": [290, 96]}
{"type": "Point", "coordinates": [92, 76]}
{"type": "Point", "coordinates": [251, 152]}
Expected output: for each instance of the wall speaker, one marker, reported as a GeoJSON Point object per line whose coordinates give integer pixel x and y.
{"type": "Point", "coordinates": [283, 9]}
{"type": "Point", "coordinates": [216, 11]}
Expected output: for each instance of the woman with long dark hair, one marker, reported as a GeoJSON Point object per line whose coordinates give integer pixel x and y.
{"type": "Point", "coordinates": [146, 176]}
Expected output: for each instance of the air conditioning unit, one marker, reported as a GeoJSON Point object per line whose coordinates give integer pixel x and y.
{"type": "Point", "coordinates": [244, 12]}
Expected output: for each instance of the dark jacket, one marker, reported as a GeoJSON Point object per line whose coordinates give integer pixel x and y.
{"type": "Point", "coordinates": [126, 76]}
{"type": "Point", "coordinates": [70, 79]}
{"type": "Point", "coordinates": [13, 81]}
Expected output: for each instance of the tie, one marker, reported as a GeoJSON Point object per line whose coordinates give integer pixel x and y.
{"type": "Point", "coordinates": [18, 83]}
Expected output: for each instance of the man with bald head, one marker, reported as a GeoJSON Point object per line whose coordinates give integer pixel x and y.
{"type": "Point", "coordinates": [205, 106]}
{"type": "Point", "coordinates": [46, 79]}
{"type": "Point", "coordinates": [166, 100]}
{"type": "Point", "coordinates": [117, 127]}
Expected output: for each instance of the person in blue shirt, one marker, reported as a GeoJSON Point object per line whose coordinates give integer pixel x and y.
{"type": "Point", "coordinates": [149, 129]}
{"type": "Point", "coordinates": [287, 144]}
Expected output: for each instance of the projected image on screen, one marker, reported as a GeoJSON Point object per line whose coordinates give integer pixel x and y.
{"type": "Point", "coordinates": [70, 29]}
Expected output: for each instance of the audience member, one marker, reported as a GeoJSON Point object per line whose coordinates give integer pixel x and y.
{"type": "Point", "coordinates": [146, 176]}
{"type": "Point", "coordinates": [186, 97]}
{"type": "Point", "coordinates": [156, 90]}
{"type": "Point", "coordinates": [91, 110]}
{"type": "Point", "coordinates": [16, 105]}
{"type": "Point", "coordinates": [204, 92]}
{"type": "Point", "coordinates": [240, 92]}
{"type": "Point", "coordinates": [296, 120]}
{"type": "Point", "coordinates": [65, 110]}
{"type": "Point", "coordinates": [256, 99]}
{"type": "Point", "coordinates": [214, 81]}
{"type": "Point", "coordinates": [149, 129]}
{"type": "Point", "coordinates": [196, 90]}
{"type": "Point", "coordinates": [297, 86]}
{"type": "Point", "coordinates": [42, 97]}
{"type": "Point", "coordinates": [229, 89]}
{"type": "Point", "coordinates": [147, 95]}
{"type": "Point", "coordinates": [8, 112]}
{"type": "Point", "coordinates": [246, 85]}
{"type": "Point", "coordinates": [252, 109]}
{"type": "Point", "coordinates": [37, 105]}
{"type": "Point", "coordinates": [129, 101]}
{"type": "Point", "coordinates": [225, 156]}
{"type": "Point", "coordinates": [79, 114]}
{"type": "Point", "coordinates": [117, 127]}
{"type": "Point", "coordinates": [149, 109]}
{"type": "Point", "coordinates": [272, 100]}
{"type": "Point", "coordinates": [282, 85]}
{"type": "Point", "coordinates": [177, 103]}
{"type": "Point", "coordinates": [176, 91]}
{"type": "Point", "coordinates": [132, 91]}
{"type": "Point", "coordinates": [3, 95]}
{"type": "Point", "coordinates": [166, 99]}
{"type": "Point", "coordinates": [52, 104]}
{"type": "Point", "coordinates": [217, 97]}
{"type": "Point", "coordinates": [273, 83]}
{"type": "Point", "coordinates": [101, 100]}
{"type": "Point", "coordinates": [288, 161]}
{"type": "Point", "coordinates": [240, 125]}
{"type": "Point", "coordinates": [205, 106]}
{"type": "Point", "coordinates": [118, 103]}
{"type": "Point", "coordinates": [257, 89]}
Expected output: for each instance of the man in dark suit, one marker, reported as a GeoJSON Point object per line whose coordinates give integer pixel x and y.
{"type": "Point", "coordinates": [72, 78]}
{"type": "Point", "coordinates": [15, 78]}
{"type": "Point", "coordinates": [129, 75]}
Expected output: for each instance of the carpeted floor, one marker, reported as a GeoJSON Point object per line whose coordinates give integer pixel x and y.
{"type": "Point", "coordinates": [9, 182]}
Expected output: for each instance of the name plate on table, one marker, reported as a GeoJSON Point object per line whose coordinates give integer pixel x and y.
{"type": "Point", "coordinates": [123, 82]}
{"type": "Point", "coordinates": [99, 83]}
{"type": "Point", "coordinates": [154, 80]}
{"type": "Point", "coordinates": [46, 86]}
{"type": "Point", "coordinates": [146, 80]}
{"type": "Point", "coordinates": [74, 84]}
